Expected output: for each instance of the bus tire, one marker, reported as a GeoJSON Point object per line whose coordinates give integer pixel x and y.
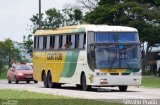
{"type": "Point", "coordinates": [49, 80]}
{"type": "Point", "coordinates": [123, 88]}
{"type": "Point", "coordinates": [78, 86]}
{"type": "Point", "coordinates": [44, 78]}
{"type": "Point", "coordinates": [84, 85]}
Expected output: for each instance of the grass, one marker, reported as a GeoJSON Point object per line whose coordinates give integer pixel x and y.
{"type": "Point", "coordinates": [31, 98]}
{"type": "Point", "coordinates": [3, 73]}
{"type": "Point", "coordinates": [151, 81]}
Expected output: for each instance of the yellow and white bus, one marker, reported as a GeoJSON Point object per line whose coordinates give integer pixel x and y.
{"type": "Point", "coordinates": [88, 56]}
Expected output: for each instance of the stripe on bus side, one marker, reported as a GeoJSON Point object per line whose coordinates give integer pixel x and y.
{"type": "Point", "coordinates": [70, 63]}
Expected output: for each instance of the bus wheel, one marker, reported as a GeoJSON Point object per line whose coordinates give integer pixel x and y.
{"type": "Point", "coordinates": [78, 86]}
{"type": "Point", "coordinates": [49, 80]}
{"type": "Point", "coordinates": [84, 85]}
{"type": "Point", "coordinates": [45, 80]}
{"type": "Point", "coordinates": [123, 88]}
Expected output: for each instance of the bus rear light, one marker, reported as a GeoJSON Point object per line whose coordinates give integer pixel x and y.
{"type": "Point", "coordinates": [103, 81]}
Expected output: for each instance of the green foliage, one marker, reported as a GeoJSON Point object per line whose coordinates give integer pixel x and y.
{"type": "Point", "coordinates": [141, 14]}
{"type": "Point", "coordinates": [151, 81]}
{"type": "Point", "coordinates": [138, 14]}
{"type": "Point", "coordinates": [31, 98]}
{"type": "Point", "coordinates": [55, 18]}
{"type": "Point", "coordinates": [8, 53]}
{"type": "Point", "coordinates": [28, 44]}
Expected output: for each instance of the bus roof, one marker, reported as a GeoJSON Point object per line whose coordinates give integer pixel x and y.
{"type": "Point", "coordinates": [85, 28]}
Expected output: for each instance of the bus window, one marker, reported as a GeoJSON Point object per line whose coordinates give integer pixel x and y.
{"type": "Point", "coordinates": [84, 42]}
{"type": "Point", "coordinates": [37, 44]}
{"type": "Point", "coordinates": [35, 40]}
{"type": "Point", "coordinates": [48, 42]}
{"type": "Point", "coordinates": [44, 42]}
{"type": "Point", "coordinates": [68, 41]}
{"type": "Point", "coordinates": [76, 40]}
{"type": "Point", "coordinates": [63, 42]}
{"type": "Point", "coordinates": [57, 42]}
{"type": "Point", "coordinates": [52, 42]}
{"type": "Point", "coordinates": [81, 40]}
{"type": "Point", "coordinates": [73, 41]}
{"type": "Point", "coordinates": [41, 42]}
{"type": "Point", "coordinates": [60, 41]}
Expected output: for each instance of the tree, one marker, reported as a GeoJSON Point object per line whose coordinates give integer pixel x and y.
{"type": "Point", "coordinates": [28, 44]}
{"type": "Point", "coordinates": [141, 14]}
{"type": "Point", "coordinates": [89, 5]}
{"type": "Point", "coordinates": [55, 18]}
{"type": "Point", "coordinates": [8, 52]}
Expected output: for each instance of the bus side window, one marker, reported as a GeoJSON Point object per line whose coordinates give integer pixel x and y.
{"type": "Point", "coordinates": [73, 41]}
{"type": "Point", "coordinates": [81, 40]}
{"type": "Point", "coordinates": [37, 43]}
{"type": "Point", "coordinates": [35, 40]}
{"type": "Point", "coordinates": [68, 43]}
{"type": "Point", "coordinates": [60, 41]}
{"type": "Point", "coordinates": [84, 42]}
{"type": "Point", "coordinates": [57, 42]}
{"type": "Point", "coordinates": [41, 42]}
{"type": "Point", "coordinates": [44, 42]}
{"type": "Point", "coordinates": [52, 42]}
{"type": "Point", "coordinates": [63, 42]}
{"type": "Point", "coordinates": [48, 42]}
{"type": "Point", "coordinates": [76, 40]}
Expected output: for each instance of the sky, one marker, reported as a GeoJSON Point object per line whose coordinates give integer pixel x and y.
{"type": "Point", "coordinates": [15, 16]}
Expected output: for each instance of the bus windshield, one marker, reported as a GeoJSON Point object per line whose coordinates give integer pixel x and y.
{"type": "Point", "coordinates": [109, 37]}
{"type": "Point", "coordinates": [117, 56]}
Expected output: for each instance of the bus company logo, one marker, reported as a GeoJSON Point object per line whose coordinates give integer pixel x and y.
{"type": "Point", "coordinates": [54, 56]}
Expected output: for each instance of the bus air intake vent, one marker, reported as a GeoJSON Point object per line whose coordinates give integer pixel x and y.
{"type": "Point", "coordinates": [126, 73]}
{"type": "Point", "coordinates": [114, 73]}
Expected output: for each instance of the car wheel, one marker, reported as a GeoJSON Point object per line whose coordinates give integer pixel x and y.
{"type": "Point", "coordinates": [35, 81]}
{"type": "Point", "coordinates": [16, 81]}
{"type": "Point", "coordinates": [9, 81]}
{"type": "Point", "coordinates": [84, 85]}
{"type": "Point", "coordinates": [123, 88]}
{"type": "Point", "coordinates": [49, 80]}
{"type": "Point", "coordinates": [45, 83]}
{"type": "Point", "coordinates": [28, 81]}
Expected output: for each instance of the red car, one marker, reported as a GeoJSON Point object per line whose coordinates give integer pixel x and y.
{"type": "Point", "coordinates": [20, 72]}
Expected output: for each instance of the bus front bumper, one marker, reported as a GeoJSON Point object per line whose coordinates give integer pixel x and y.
{"type": "Point", "coordinates": [117, 81]}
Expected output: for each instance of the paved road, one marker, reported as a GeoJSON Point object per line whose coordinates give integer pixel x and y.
{"type": "Point", "coordinates": [72, 91]}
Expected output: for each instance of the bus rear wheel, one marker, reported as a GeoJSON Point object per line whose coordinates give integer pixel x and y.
{"type": "Point", "coordinates": [84, 85]}
{"type": "Point", "coordinates": [45, 80]}
{"type": "Point", "coordinates": [49, 80]}
{"type": "Point", "coordinates": [123, 88]}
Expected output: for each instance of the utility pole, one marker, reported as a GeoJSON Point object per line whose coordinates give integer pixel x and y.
{"type": "Point", "coordinates": [40, 15]}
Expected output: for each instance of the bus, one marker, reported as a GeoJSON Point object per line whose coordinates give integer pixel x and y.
{"type": "Point", "coordinates": [88, 56]}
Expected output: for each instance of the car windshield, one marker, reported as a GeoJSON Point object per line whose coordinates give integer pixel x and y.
{"type": "Point", "coordinates": [23, 67]}
{"type": "Point", "coordinates": [117, 56]}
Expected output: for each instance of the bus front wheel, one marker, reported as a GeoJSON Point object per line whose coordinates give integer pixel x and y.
{"type": "Point", "coordinates": [84, 85]}
{"type": "Point", "coordinates": [45, 80]}
{"type": "Point", "coordinates": [123, 88]}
